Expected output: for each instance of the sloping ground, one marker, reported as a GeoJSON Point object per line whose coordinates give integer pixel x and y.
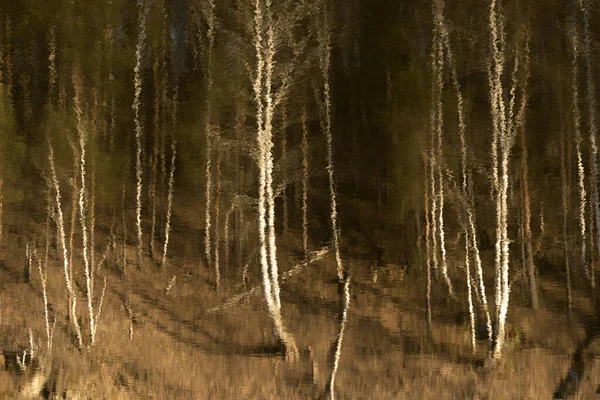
{"type": "Point", "coordinates": [185, 345]}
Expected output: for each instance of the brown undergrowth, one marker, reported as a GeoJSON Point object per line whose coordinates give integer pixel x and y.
{"type": "Point", "coordinates": [181, 351]}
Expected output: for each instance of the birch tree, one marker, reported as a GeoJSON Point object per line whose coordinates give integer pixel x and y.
{"type": "Point", "coordinates": [578, 148]}
{"type": "Point", "coordinates": [324, 50]}
{"type": "Point", "coordinates": [139, 128]}
{"type": "Point", "coordinates": [505, 123]}
{"type": "Point", "coordinates": [208, 132]}
{"type": "Point", "coordinates": [592, 127]}
{"type": "Point", "coordinates": [436, 120]}
{"type": "Point", "coordinates": [268, 94]}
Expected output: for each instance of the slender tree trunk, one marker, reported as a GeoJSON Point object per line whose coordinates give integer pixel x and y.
{"type": "Point", "coordinates": [74, 197]}
{"type": "Point", "coordinates": [434, 203]}
{"type": "Point", "coordinates": [469, 288]}
{"type": "Point", "coordinates": [470, 242]}
{"type": "Point", "coordinates": [343, 275]}
{"type": "Point", "coordinates": [439, 158]}
{"type": "Point", "coordinates": [92, 211]}
{"type": "Point", "coordinates": [172, 109]}
{"type": "Point", "coordinates": [593, 129]}
{"type": "Point", "coordinates": [169, 201]}
{"type": "Point", "coordinates": [208, 129]}
{"type": "Point", "coordinates": [155, 150]}
{"type": "Point", "coordinates": [324, 62]}
{"type": "Point", "coordinates": [43, 272]}
{"type": "Point", "coordinates": [89, 278]}
{"type": "Point", "coordinates": [139, 129]}
{"type": "Point", "coordinates": [264, 113]}
{"type": "Point", "coordinates": [433, 121]}
{"type": "Point", "coordinates": [305, 175]}
{"type": "Point", "coordinates": [171, 183]}
{"type": "Point", "coordinates": [428, 246]}
{"type": "Point", "coordinates": [72, 298]}
{"type": "Point", "coordinates": [268, 159]}
{"type": "Point", "coordinates": [497, 108]}
{"type": "Point", "coordinates": [505, 124]}
{"type": "Point", "coordinates": [578, 142]}
{"type": "Point", "coordinates": [478, 266]}
{"type": "Point", "coordinates": [343, 318]}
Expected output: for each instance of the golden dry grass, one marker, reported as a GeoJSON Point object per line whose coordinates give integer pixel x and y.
{"type": "Point", "coordinates": [179, 351]}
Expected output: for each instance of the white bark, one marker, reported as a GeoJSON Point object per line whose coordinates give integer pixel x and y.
{"type": "Point", "coordinates": [505, 126]}
{"type": "Point", "coordinates": [266, 218]}
{"type": "Point", "coordinates": [139, 130]}
{"type": "Point", "coordinates": [208, 129]}
{"type": "Point", "coordinates": [340, 337]}
{"type": "Point", "coordinates": [437, 120]}
{"type": "Point", "coordinates": [304, 185]}
{"type": "Point", "coordinates": [592, 126]}
{"type": "Point", "coordinates": [169, 201]}
{"type": "Point", "coordinates": [43, 279]}
{"type": "Point", "coordinates": [578, 142]}
{"type": "Point", "coordinates": [82, 218]}
{"type": "Point", "coordinates": [217, 221]}
{"type": "Point", "coordinates": [72, 298]}
{"type": "Point", "coordinates": [155, 152]}
{"type": "Point", "coordinates": [324, 63]}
